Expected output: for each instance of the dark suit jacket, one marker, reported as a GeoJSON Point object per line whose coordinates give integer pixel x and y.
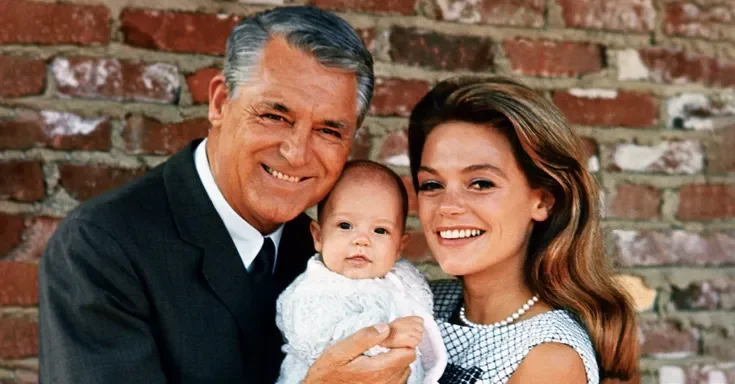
{"type": "Point", "coordinates": [144, 285]}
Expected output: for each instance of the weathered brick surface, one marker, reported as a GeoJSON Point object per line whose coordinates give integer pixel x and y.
{"type": "Point", "coordinates": [593, 153]}
{"type": "Point", "coordinates": [720, 156]}
{"type": "Point", "coordinates": [635, 202]}
{"type": "Point", "coordinates": [425, 48]}
{"type": "Point", "coordinates": [416, 249]}
{"type": "Point", "coordinates": [19, 285]}
{"type": "Point", "coordinates": [403, 7]}
{"type": "Point", "coordinates": [36, 232]}
{"type": "Point", "coordinates": [551, 58]}
{"type": "Point", "coordinates": [706, 202]}
{"type": "Point", "coordinates": [116, 80]}
{"type": "Point", "coordinates": [616, 15]}
{"type": "Point", "coordinates": [18, 338]}
{"type": "Point", "coordinates": [528, 13]}
{"type": "Point", "coordinates": [27, 22]}
{"type": "Point", "coordinates": [11, 229]}
{"type": "Point", "coordinates": [682, 67]}
{"type": "Point", "coordinates": [177, 31]}
{"type": "Point", "coordinates": [86, 181]}
{"type": "Point", "coordinates": [199, 84]}
{"type": "Point", "coordinates": [665, 339]}
{"type": "Point", "coordinates": [144, 135]}
{"type": "Point", "coordinates": [412, 198]}
{"type": "Point", "coordinates": [21, 180]}
{"type": "Point", "coordinates": [714, 294]}
{"type": "Point", "coordinates": [668, 157]}
{"type": "Point", "coordinates": [675, 247]}
{"type": "Point", "coordinates": [361, 144]}
{"type": "Point", "coordinates": [394, 150]}
{"type": "Point", "coordinates": [712, 22]}
{"type": "Point", "coordinates": [607, 107]}
{"type": "Point", "coordinates": [54, 129]}
{"type": "Point", "coordinates": [21, 76]}
{"type": "Point", "coordinates": [396, 97]}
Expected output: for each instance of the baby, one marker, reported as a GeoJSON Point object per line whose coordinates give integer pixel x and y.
{"type": "Point", "coordinates": [357, 278]}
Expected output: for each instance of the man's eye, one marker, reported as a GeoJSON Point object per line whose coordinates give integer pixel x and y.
{"type": "Point", "coordinates": [482, 184]}
{"type": "Point", "coordinates": [331, 132]}
{"type": "Point", "coordinates": [273, 117]}
{"type": "Point", "coordinates": [381, 231]}
{"type": "Point", "coordinates": [429, 186]}
{"type": "Point", "coordinates": [344, 225]}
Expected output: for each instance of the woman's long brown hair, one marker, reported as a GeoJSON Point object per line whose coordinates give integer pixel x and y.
{"type": "Point", "coordinates": [565, 264]}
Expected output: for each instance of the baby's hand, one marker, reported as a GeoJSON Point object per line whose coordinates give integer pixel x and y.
{"type": "Point", "coordinates": [405, 332]}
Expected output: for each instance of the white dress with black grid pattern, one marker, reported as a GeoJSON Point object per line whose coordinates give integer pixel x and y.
{"type": "Point", "coordinates": [479, 355]}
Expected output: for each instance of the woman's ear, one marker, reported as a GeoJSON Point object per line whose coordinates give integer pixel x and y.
{"type": "Point", "coordinates": [316, 234]}
{"type": "Point", "coordinates": [544, 204]}
{"type": "Point", "coordinates": [218, 99]}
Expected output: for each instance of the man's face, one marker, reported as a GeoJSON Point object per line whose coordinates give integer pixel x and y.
{"type": "Point", "coordinates": [278, 145]}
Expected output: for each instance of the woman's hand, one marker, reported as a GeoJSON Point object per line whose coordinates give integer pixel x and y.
{"type": "Point", "coordinates": [344, 362]}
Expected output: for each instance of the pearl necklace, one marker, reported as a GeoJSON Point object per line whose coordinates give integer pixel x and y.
{"type": "Point", "coordinates": [505, 322]}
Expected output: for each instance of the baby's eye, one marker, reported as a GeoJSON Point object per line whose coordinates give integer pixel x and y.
{"type": "Point", "coordinates": [345, 225]}
{"type": "Point", "coordinates": [381, 231]}
{"type": "Point", "coordinates": [482, 184]}
{"type": "Point", "coordinates": [429, 186]}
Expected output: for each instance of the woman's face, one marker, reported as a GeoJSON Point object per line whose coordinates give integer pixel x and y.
{"type": "Point", "coordinates": [475, 205]}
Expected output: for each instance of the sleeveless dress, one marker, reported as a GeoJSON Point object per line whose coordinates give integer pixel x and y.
{"type": "Point", "coordinates": [490, 356]}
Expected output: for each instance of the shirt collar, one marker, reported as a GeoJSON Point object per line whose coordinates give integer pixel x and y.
{"type": "Point", "coordinates": [247, 239]}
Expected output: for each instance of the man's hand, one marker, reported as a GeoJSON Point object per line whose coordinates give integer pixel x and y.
{"type": "Point", "coordinates": [344, 362]}
{"type": "Point", "coordinates": [405, 332]}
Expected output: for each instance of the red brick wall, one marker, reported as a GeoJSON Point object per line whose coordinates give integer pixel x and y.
{"type": "Point", "coordinates": [94, 93]}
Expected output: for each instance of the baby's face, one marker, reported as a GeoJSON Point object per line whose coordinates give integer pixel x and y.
{"type": "Point", "coordinates": [361, 235]}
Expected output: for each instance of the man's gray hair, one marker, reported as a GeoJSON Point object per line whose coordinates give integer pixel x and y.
{"type": "Point", "coordinates": [325, 36]}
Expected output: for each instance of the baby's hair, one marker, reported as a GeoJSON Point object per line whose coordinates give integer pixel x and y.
{"type": "Point", "coordinates": [371, 166]}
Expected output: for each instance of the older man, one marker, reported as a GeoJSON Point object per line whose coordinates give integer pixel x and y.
{"type": "Point", "coordinates": [173, 278]}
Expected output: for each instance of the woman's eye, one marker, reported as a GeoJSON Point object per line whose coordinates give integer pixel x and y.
{"type": "Point", "coordinates": [344, 225]}
{"type": "Point", "coordinates": [482, 184]}
{"type": "Point", "coordinates": [381, 231]}
{"type": "Point", "coordinates": [331, 132]}
{"type": "Point", "coordinates": [429, 186]}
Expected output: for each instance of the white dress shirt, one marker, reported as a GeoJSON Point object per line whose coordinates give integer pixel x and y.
{"type": "Point", "coordinates": [247, 239]}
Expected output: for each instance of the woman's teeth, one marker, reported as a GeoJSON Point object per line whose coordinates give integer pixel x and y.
{"type": "Point", "coordinates": [281, 176]}
{"type": "Point", "coordinates": [460, 233]}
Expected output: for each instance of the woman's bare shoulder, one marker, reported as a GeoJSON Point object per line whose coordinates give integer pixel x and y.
{"type": "Point", "coordinates": [551, 363]}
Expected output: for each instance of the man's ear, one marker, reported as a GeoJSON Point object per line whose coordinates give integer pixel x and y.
{"type": "Point", "coordinates": [544, 205]}
{"type": "Point", "coordinates": [316, 234]}
{"type": "Point", "coordinates": [218, 99]}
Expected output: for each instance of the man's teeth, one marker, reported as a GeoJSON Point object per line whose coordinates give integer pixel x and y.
{"type": "Point", "coordinates": [459, 233]}
{"type": "Point", "coordinates": [282, 176]}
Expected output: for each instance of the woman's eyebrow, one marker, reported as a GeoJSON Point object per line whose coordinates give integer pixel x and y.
{"type": "Point", "coordinates": [485, 167]}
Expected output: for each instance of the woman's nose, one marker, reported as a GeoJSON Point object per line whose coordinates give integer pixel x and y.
{"type": "Point", "coordinates": [451, 205]}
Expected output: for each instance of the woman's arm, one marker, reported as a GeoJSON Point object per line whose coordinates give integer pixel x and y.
{"type": "Point", "coordinates": [551, 363]}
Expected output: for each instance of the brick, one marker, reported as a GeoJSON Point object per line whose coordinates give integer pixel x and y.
{"type": "Point", "coordinates": [592, 152]}
{"type": "Point", "coordinates": [718, 344]}
{"type": "Point", "coordinates": [706, 202]}
{"type": "Point", "coordinates": [711, 22]}
{"type": "Point", "coordinates": [361, 145]}
{"type": "Point", "coordinates": [199, 84]}
{"type": "Point", "coordinates": [695, 374]}
{"type": "Point", "coordinates": [416, 250]}
{"type": "Point", "coordinates": [522, 13]}
{"type": "Point", "coordinates": [715, 294]}
{"type": "Point", "coordinates": [615, 15]}
{"type": "Point", "coordinates": [144, 135]}
{"type": "Point", "coordinates": [22, 181]}
{"type": "Point", "coordinates": [698, 112]}
{"type": "Point", "coordinates": [403, 7]}
{"type": "Point", "coordinates": [635, 202]}
{"type": "Point", "coordinates": [667, 340]}
{"type": "Point", "coordinates": [30, 22]}
{"type": "Point", "coordinates": [177, 31]}
{"type": "Point", "coordinates": [426, 48]}
{"type": "Point", "coordinates": [668, 157]}
{"type": "Point", "coordinates": [54, 129]}
{"type": "Point", "coordinates": [551, 58]}
{"type": "Point", "coordinates": [412, 198]}
{"type": "Point", "coordinates": [367, 35]}
{"type": "Point", "coordinates": [116, 80]}
{"type": "Point", "coordinates": [396, 97]}
{"type": "Point", "coordinates": [720, 156]}
{"type": "Point", "coordinates": [18, 338]}
{"type": "Point", "coordinates": [681, 67]}
{"type": "Point", "coordinates": [675, 247]}
{"type": "Point", "coordinates": [86, 181]}
{"type": "Point", "coordinates": [36, 233]}
{"type": "Point", "coordinates": [394, 150]}
{"type": "Point", "coordinates": [19, 286]}
{"type": "Point", "coordinates": [11, 229]}
{"type": "Point", "coordinates": [21, 76]}
{"type": "Point", "coordinates": [607, 107]}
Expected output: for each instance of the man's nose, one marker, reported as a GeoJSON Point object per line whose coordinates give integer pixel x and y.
{"type": "Point", "coordinates": [296, 147]}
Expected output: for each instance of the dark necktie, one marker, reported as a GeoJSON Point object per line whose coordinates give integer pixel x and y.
{"type": "Point", "coordinates": [262, 268]}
